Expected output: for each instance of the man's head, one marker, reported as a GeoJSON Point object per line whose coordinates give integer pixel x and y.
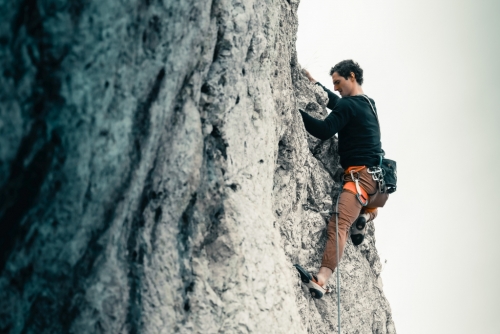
{"type": "Point", "coordinates": [347, 77]}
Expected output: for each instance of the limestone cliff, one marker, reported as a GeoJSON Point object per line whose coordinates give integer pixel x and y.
{"type": "Point", "coordinates": [156, 177]}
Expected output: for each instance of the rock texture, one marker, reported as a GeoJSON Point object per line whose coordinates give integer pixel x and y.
{"type": "Point", "coordinates": [156, 177]}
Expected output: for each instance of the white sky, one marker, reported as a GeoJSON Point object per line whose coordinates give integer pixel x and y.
{"type": "Point", "coordinates": [433, 69]}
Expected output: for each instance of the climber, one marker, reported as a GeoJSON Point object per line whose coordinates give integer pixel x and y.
{"type": "Point", "coordinates": [354, 118]}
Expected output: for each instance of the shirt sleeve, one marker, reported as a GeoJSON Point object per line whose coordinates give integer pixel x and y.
{"type": "Point", "coordinates": [332, 97]}
{"type": "Point", "coordinates": [333, 123]}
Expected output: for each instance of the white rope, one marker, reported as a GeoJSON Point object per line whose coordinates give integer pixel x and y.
{"type": "Point", "coordinates": [338, 261]}
{"type": "Point", "coordinates": [376, 115]}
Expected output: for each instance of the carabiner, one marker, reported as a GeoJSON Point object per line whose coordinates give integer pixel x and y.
{"type": "Point", "coordinates": [358, 190]}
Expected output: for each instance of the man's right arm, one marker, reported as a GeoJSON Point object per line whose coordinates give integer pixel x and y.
{"type": "Point", "coordinates": [332, 97]}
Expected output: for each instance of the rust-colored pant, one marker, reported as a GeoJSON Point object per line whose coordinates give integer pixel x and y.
{"type": "Point", "coordinates": [349, 209]}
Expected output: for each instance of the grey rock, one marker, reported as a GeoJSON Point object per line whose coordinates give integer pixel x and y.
{"type": "Point", "coordinates": [156, 177]}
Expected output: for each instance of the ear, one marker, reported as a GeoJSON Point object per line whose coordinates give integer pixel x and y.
{"type": "Point", "coordinates": [352, 76]}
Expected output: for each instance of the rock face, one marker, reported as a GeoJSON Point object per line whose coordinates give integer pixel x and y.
{"type": "Point", "coordinates": [156, 177]}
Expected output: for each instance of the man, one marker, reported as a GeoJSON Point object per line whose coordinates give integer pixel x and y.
{"type": "Point", "coordinates": [354, 118]}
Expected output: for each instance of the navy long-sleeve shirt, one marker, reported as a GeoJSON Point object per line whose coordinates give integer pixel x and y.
{"type": "Point", "coordinates": [357, 127]}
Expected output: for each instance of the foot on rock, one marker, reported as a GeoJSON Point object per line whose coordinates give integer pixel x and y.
{"type": "Point", "coordinates": [316, 290]}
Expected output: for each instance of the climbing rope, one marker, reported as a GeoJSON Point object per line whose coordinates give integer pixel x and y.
{"type": "Point", "coordinates": [338, 261]}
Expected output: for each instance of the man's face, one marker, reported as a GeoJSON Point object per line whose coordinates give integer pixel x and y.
{"type": "Point", "coordinates": [342, 85]}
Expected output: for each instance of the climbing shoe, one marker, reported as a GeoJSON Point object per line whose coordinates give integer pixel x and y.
{"type": "Point", "coordinates": [358, 230]}
{"type": "Point", "coordinates": [316, 290]}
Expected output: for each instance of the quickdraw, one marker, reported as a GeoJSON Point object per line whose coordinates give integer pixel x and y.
{"type": "Point", "coordinates": [377, 174]}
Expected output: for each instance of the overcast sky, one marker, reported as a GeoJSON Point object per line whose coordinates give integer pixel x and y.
{"type": "Point", "coordinates": [433, 69]}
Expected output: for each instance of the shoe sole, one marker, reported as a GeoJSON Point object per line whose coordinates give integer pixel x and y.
{"type": "Point", "coordinates": [357, 239]}
{"type": "Point", "coordinates": [315, 293]}
{"type": "Point", "coordinates": [360, 223]}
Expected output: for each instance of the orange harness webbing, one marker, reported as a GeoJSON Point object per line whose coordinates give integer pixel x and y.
{"type": "Point", "coordinates": [351, 187]}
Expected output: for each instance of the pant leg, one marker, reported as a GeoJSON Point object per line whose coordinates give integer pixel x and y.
{"type": "Point", "coordinates": [349, 209]}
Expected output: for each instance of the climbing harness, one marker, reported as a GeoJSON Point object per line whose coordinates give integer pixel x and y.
{"type": "Point", "coordinates": [338, 260]}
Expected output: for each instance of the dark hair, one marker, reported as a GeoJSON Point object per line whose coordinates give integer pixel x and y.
{"type": "Point", "coordinates": [345, 67]}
